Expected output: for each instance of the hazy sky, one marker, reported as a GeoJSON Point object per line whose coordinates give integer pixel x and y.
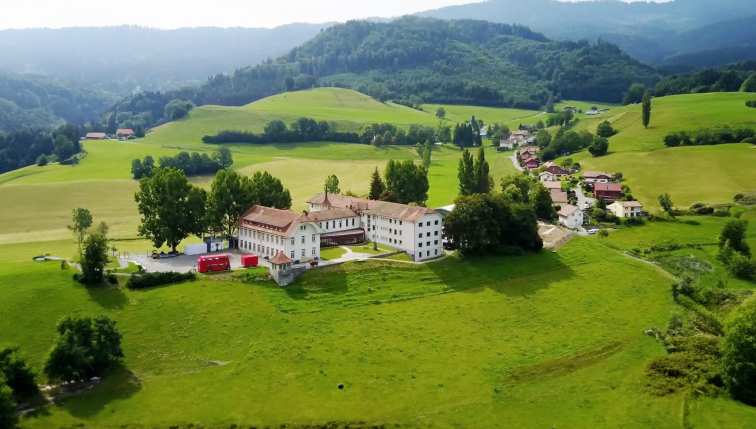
{"type": "Point", "coordinates": [196, 13]}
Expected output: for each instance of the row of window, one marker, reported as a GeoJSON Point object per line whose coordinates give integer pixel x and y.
{"type": "Point", "coordinates": [427, 243]}
{"type": "Point", "coordinates": [427, 234]}
{"type": "Point", "coordinates": [420, 254]}
{"type": "Point", "coordinates": [427, 223]}
{"type": "Point", "coordinates": [333, 223]}
{"type": "Point", "coordinates": [273, 239]}
{"type": "Point", "coordinates": [269, 251]}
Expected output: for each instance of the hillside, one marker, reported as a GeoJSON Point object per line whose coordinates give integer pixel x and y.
{"type": "Point", "coordinates": [128, 58]}
{"type": "Point", "coordinates": [453, 62]}
{"type": "Point", "coordinates": [33, 101]}
{"type": "Point", "coordinates": [649, 31]}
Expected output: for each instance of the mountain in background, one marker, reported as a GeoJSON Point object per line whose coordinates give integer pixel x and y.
{"type": "Point", "coordinates": [126, 59]}
{"type": "Point", "coordinates": [414, 60]}
{"type": "Point", "coordinates": [33, 101]}
{"type": "Point", "coordinates": [649, 31]}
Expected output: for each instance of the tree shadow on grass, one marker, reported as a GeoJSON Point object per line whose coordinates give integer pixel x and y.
{"type": "Point", "coordinates": [118, 384]}
{"type": "Point", "coordinates": [108, 296]}
{"type": "Point", "coordinates": [508, 275]}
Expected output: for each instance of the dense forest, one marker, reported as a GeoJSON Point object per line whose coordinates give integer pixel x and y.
{"type": "Point", "coordinates": [463, 62]}
{"type": "Point", "coordinates": [729, 78]}
{"type": "Point", "coordinates": [22, 148]}
{"type": "Point", "coordinates": [651, 31]}
{"type": "Point", "coordinates": [32, 101]}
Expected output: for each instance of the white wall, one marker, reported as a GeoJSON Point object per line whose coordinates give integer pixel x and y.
{"type": "Point", "coordinates": [303, 239]}
{"type": "Point", "coordinates": [344, 224]}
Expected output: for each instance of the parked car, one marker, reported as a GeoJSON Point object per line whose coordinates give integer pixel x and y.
{"type": "Point", "coordinates": [586, 206]}
{"type": "Point", "coordinates": [593, 231]}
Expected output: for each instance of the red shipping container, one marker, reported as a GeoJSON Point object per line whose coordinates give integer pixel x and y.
{"type": "Point", "coordinates": [249, 261]}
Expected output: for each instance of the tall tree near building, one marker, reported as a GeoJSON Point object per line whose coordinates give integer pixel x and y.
{"type": "Point", "coordinates": [408, 181]}
{"type": "Point", "coordinates": [171, 207]}
{"type": "Point", "coordinates": [483, 180]}
{"type": "Point", "coordinates": [94, 259]}
{"type": "Point", "coordinates": [646, 110]}
{"type": "Point", "coordinates": [376, 186]}
{"type": "Point", "coordinates": [665, 201]}
{"type": "Point", "coordinates": [231, 194]}
{"type": "Point", "coordinates": [466, 174]}
{"type": "Point", "coordinates": [269, 191]}
{"type": "Point", "coordinates": [332, 184]}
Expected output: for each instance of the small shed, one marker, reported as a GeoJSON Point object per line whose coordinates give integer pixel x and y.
{"type": "Point", "coordinates": [281, 263]}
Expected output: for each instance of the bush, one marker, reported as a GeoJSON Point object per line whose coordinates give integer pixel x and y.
{"type": "Point", "coordinates": [42, 160]}
{"type": "Point", "coordinates": [738, 197]}
{"type": "Point", "coordinates": [751, 103]}
{"type": "Point", "coordinates": [741, 266]}
{"type": "Point", "coordinates": [739, 353]}
{"type": "Point", "coordinates": [710, 136]}
{"type": "Point", "coordinates": [17, 373]}
{"type": "Point", "coordinates": [112, 279]}
{"type": "Point", "coordinates": [157, 279]}
{"type": "Point", "coordinates": [7, 406]}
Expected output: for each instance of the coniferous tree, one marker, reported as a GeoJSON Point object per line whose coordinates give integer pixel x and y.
{"type": "Point", "coordinates": [646, 110]}
{"type": "Point", "coordinates": [481, 171]}
{"type": "Point", "coordinates": [376, 186]}
{"type": "Point", "coordinates": [466, 174]}
{"type": "Point", "coordinates": [112, 125]}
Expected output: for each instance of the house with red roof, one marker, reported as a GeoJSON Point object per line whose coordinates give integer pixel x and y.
{"type": "Point", "coordinates": [96, 136]}
{"type": "Point", "coordinates": [608, 191]}
{"type": "Point", "coordinates": [597, 177]}
{"type": "Point", "coordinates": [559, 197]}
{"type": "Point", "coordinates": [571, 216]}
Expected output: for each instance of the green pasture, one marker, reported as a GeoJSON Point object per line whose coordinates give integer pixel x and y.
{"type": "Point", "coordinates": [526, 342]}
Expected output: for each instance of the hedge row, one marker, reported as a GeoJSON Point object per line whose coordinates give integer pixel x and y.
{"type": "Point", "coordinates": [157, 279]}
{"type": "Point", "coordinates": [711, 136]}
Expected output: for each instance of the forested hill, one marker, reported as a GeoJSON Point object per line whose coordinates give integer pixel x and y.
{"type": "Point", "coordinates": [474, 62]}
{"type": "Point", "coordinates": [647, 30]}
{"type": "Point", "coordinates": [32, 101]}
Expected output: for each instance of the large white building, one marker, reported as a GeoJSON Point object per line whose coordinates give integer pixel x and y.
{"type": "Point", "coordinates": [266, 231]}
{"type": "Point", "coordinates": [415, 230]}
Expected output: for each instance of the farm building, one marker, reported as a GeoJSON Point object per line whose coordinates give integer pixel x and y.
{"type": "Point", "coordinates": [96, 136]}
{"type": "Point", "coordinates": [597, 177]}
{"type": "Point", "coordinates": [608, 191]}
{"type": "Point", "coordinates": [125, 132]}
{"type": "Point", "coordinates": [571, 216]}
{"type": "Point", "coordinates": [625, 209]}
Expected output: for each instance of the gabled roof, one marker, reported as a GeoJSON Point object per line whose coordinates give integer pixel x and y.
{"type": "Point", "coordinates": [559, 197]}
{"type": "Point", "coordinates": [341, 201]}
{"type": "Point", "coordinates": [95, 135]}
{"type": "Point", "coordinates": [335, 213]}
{"type": "Point", "coordinates": [567, 210]}
{"type": "Point", "coordinates": [125, 131]}
{"type": "Point", "coordinates": [280, 259]}
{"type": "Point", "coordinates": [272, 221]}
{"type": "Point", "coordinates": [398, 211]}
{"type": "Point", "coordinates": [595, 174]}
{"type": "Point", "coordinates": [553, 185]}
{"type": "Point", "coordinates": [629, 203]}
{"type": "Point", "coordinates": [607, 187]}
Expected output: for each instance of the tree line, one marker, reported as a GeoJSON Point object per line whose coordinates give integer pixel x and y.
{"type": "Point", "coordinates": [731, 78]}
{"type": "Point", "coordinates": [191, 165]}
{"type": "Point", "coordinates": [19, 149]}
{"type": "Point", "coordinates": [711, 136]}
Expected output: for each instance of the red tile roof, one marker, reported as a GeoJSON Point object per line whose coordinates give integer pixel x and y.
{"type": "Point", "coordinates": [567, 210]}
{"type": "Point", "coordinates": [96, 135]}
{"type": "Point", "coordinates": [607, 187]}
{"type": "Point", "coordinates": [280, 259]}
{"type": "Point", "coordinates": [629, 204]}
{"type": "Point", "coordinates": [398, 211]}
{"type": "Point", "coordinates": [553, 185]}
{"type": "Point", "coordinates": [125, 131]}
{"type": "Point", "coordinates": [335, 213]}
{"type": "Point", "coordinates": [341, 201]}
{"type": "Point", "coordinates": [272, 221]}
{"type": "Point", "coordinates": [558, 197]}
{"type": "Point", "coordinates": [597, 174]}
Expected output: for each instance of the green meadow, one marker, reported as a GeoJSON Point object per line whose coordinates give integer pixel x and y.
{"type": "Point", "coordinates": [553, 339]}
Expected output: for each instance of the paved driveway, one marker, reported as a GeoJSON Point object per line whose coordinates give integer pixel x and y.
{"type": "Point", "coordinates": [515, 163]}
{"type": "Point", "coordinates": [583, 199]}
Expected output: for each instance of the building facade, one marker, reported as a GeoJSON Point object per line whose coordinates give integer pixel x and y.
{"type": "Point", "coordinates": [266, 232]}
{"type": "Point", "coordinates": [571, 217]}
{"type": "Point", "coordinates": [625, 209]}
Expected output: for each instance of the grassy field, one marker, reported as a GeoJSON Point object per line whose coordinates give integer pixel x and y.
{"type": "Point", "coordinates": [448, 344]}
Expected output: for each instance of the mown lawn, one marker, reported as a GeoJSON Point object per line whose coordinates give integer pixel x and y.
{"type": "Point", "coordinates": [445, 344]}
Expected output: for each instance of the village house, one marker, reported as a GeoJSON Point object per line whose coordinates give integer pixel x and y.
{"type": "Point", "coordinates": [96, 136]}
{"type": "Point", "coordinates": [531, 163]}
{"type": "Point", "coordinates": [529, 150]}
{"type": "Point", "coordinates": [625, 209]}
{"type": "Point", "coordinates": [608, 191]}
{"type": "Point", "coordinates": [507, 144]}
{"type": "Point", "coordinates": [597, 177]}
{"type": "Point", "coordinates": [546, 176]}
{"type": "Point", "coordinates": [553, 186]}
{"type": "Point", "coordinates": [559, 198]}
{"type": "Point", "coordinates": [571, 216]}
{"type": "Point", "coordinates": [124, 132]}
{"type": "Point", "coordinates": [555, 169]}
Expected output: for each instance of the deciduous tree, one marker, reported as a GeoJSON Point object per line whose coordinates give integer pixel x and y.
{"type": "Point", "coordinates": [483, 180]}
{"type": "Point", "coordinates": [665, 201]}
{"type": "Point", "coordinates": [332, 184]}
{"type": "Point", "coordinates": [171, 208]}
{"type": "Point", "coordinates": [18, 374]}
{"type": "Point", "coordinates": [82, 220]}
{"type": "Point", "coordinates": [739, 352]}
{"type": "Point", "coordinates": [231, 194]}
{"type": "Point", "coordinates": [466, 174]}
{"type": "Point", "coordinates": [223, 157]}
{"type": "Point", "coordinates": [441, 112]}
{"type": "Point", "coordinates": [94, 259]}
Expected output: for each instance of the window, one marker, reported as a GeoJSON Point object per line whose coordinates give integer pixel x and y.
{"type": "Point", "coordinates": [292, 241]}
{"type": "Point", "coordinates": [400, 222]}
{"type": "Point", "coordinates": [420, 235]}
{"type": "Point", "coordinates": [352, 221]}
{"type": "Point", "coordinates": [435, 233]}
{"type": "Point", "coordinates": [400, 241]}
{"type": "Point", "coordinates": [303, 240]}
{"type": "Point", "coordinates": [313, 238]}
{"type": "Point", "coordinates": [340, 226]}
{"type": "Point", "coordinates": [420, 245]}
{"type": "Point", "coordinates": [427, 244]}
{"type": "Point", "coordinates": [400, 232]}
{"type": "Point", "coordinates": [436, 251]}
{"type": "Point", "coordinates": [420, 255]}
{"type": "Point", "coordinates": [303, 252]}
{"type": "Point", "coordinates": [436, 222]}
{"type": "Point", "coordinates": [435, 242]}
{"type": "Point", "coordinates": [427, 234]}
{"type": "Point", "coordinates": [292, 254]}
{"type": "Point", "coordinates": [313, 251]}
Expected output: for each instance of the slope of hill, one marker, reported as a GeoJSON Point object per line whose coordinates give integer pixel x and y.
{"type": "Point", "coordinates": [648, 31]}
{"type": "Point", "coordinates": [451, 62]}
{"type": "Point", "coordinates": [30, 101]}
{"type": "Point", "coordinates": [124, 59]}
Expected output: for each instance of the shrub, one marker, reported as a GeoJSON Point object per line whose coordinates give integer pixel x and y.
{"type": "Point", "coordinates": [738, 197]}
{"type": "Point", "coordinates": [18, 375]}
{"type": "Point", "coordinates": [691, 360]}
{"type": "Point", "coordinates": [698, 206]}
{"type": "Point", "coordinates": [751, 103]}
{"type": "Point", "coordinates": [739, 353]}
{"type": "Point", "coordinates": [112, 279]}
{"type": "Point", "coordinates": [42, 160]}
{"type": "Point", "coordinates": [7, 406]}
{"type": "Point", "coordinates": [157, 279]}
{"type": "Point", "coordinates": [741, 266]}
